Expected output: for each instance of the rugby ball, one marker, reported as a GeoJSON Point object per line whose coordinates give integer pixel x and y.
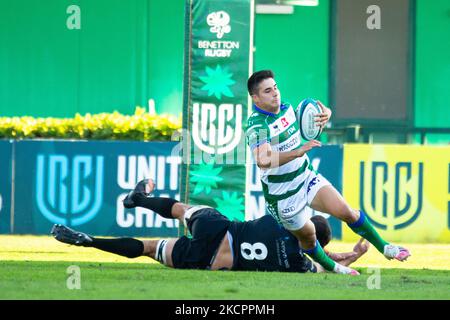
{"type": "Point", "coordinates": [307, 109]}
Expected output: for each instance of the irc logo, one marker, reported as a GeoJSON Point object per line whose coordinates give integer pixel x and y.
{"type": "Point", "coordinates": [69, 191]}
{"type": "Point", "coordinates": [223, 138]}
{"type": "Point", "coordinates": [391, 195]}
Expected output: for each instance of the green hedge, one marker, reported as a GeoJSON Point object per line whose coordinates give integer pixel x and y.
{"type": "Point", "coordinates": [104, 126]}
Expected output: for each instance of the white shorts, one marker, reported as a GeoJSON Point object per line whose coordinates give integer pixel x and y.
{"type": "Point", "coordinates": [291, 211]}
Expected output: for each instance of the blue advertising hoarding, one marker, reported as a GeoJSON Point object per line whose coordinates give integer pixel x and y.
{"type": "Point", "coordinates": [5, 185]}
{"type": "Point", "coordinates": [82, 184]}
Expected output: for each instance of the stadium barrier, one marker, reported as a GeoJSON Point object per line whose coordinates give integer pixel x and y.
{"type": "Point", "coordinates": [81, 184]}
{"type": "Point", "coordinates": [404, 189]}
{"type": "Point", "coordinates": [6, 157]}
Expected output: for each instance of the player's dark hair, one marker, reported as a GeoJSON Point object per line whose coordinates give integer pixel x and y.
{"type": "Point", "coordinates": [256, 78]}
{"type": "Point", "coordinates": [323, 230]}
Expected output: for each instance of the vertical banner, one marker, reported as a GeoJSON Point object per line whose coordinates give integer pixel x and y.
{"type": "Point", "coordinates": [218, 61]}
{"type": "Point", "coordinates": [5, 185]}
{"type": "Point", "coordinates": [404, 190]}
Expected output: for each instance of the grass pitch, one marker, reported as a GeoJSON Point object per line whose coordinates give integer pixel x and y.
{"type": "Point", "coordinates": [37, 268]}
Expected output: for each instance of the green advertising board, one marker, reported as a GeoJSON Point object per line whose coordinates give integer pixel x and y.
{"type": "Point", "coordinates": [218, 61]}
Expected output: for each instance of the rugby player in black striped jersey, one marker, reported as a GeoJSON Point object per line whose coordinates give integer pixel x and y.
{"type": "Point", "coordinates": [216, 243]}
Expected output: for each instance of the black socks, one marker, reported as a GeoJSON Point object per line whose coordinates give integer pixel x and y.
{"type": "Point", "coordinates": [127, 247]}
{"type": "Point", "coordinates": [130, 247]}
{"type": "Point", "coordinates": [162, 206]}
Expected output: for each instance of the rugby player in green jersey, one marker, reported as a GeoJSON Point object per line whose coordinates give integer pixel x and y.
{"type": "Point", "coordinates": [289, 181]}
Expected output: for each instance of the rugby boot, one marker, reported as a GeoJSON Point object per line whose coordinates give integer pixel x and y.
{"type": "Point", "coordinates": [67, 235]}
{"type": "Point", "coordinates": [142, 188]}
{"type": "Point", "coordinates": [396, 252]}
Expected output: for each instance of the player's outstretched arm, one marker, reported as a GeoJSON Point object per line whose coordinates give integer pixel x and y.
{"type": "Point", "coordinates": [347, 258]}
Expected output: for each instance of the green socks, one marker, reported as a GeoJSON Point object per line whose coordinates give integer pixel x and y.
{"type": "Point", "coordinates": [318, 255]}
{"type": "Point", "coordinates": [364, 228]}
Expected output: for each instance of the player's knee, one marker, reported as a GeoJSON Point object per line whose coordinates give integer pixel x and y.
{"type": "Point", "coordinates": [309, 244]}
{"type": "Point", "coordinates": [308, 239]}
{"type": "Point", "coordinates": [347, 214]}
{"type": "Point", "coordinates": [351, 216]}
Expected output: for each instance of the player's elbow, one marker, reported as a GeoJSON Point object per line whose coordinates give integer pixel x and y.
{"type": "Point", "coordinates": [263, 157]}
{"type": "Point", "coordinates": [263, 163]}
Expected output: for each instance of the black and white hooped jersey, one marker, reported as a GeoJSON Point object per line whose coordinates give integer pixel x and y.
{"type": "Point", "coordinates": [264, 245]}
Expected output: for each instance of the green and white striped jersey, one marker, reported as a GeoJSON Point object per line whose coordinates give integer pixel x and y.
{"type": "Point", "coordinates": [283, 133]}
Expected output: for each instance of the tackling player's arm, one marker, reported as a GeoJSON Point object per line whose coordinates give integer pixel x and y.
{"type": "Point", "coordinates": [347, 258]}
{"type": "Point", "coordinates": [358, 250]}
{"type": "Point", "coordinates": [267, 158]}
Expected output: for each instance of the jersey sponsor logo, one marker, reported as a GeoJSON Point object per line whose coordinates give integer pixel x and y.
{"type": "Point", "coordinates": [69, 190]}
{"type": "Point", "coordinates": [291, 130]}
{"type": "Point", "coordinates": [289, 144]}
{"type": "Point", "coordinates": [275, 129]}
{"type": "Point", "coordinates": [391, 195]}
{"type": "Point", "coordinates": [282, 124]}
{"type": "Point", "coordinates": [289, 221]}
{"type": "Point", "coordinates": [221, 138]}
{"type": "Point", "coordinates": [287, 210]}
{"type": "Point", "coordinates": [312, 183]}
{"type": "Point", "coordinates": [282, 255]}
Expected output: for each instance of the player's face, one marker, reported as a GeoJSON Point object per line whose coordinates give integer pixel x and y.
{"type": "Point", "coordinates": [268, 97]}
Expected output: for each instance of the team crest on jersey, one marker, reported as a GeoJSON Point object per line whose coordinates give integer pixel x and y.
{"type": "Point", "coordinates": [276, 129]}
{"type": "Point", "coordinates": [282, 124]}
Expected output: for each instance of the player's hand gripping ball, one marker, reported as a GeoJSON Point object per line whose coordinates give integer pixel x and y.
{"type": "Point", "coordinates": [307, 110]}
